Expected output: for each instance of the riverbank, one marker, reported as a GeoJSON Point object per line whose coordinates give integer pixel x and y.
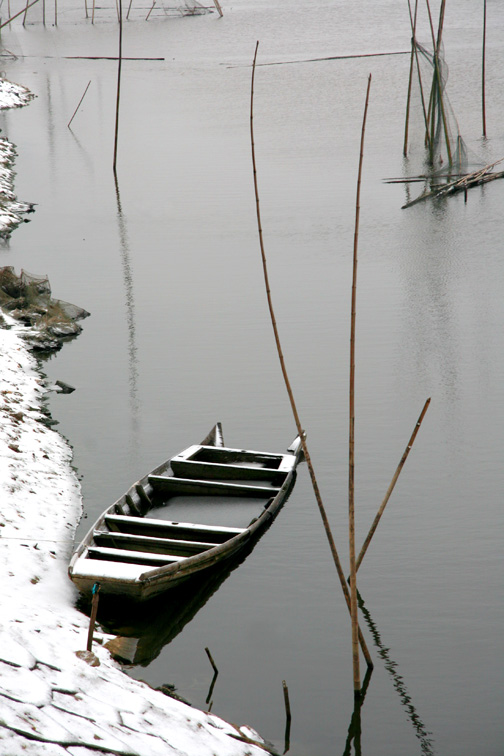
{"type": "Point", "coordinates": [52, 701]}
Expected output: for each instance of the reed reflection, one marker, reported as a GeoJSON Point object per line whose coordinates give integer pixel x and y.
{"type": "Point", "coordinates": [421, 732]}
{"type": "Point", "coordinates": [355, 727]}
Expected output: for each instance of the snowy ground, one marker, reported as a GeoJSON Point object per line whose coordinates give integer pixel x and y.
{"type": "Point", "coordinates": [53, 700]}
{"type": "Point", "coordinates": [12, 212]}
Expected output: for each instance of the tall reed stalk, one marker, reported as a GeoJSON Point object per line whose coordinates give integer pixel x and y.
{"type": "Point", "coordinates": [300, 430]}
{"type": "Point", "coordinates": [483, 66]}
{"type": "Point", "coordinates": [118, 87]}
{"type": "Point", "coordinates": [351, 435]}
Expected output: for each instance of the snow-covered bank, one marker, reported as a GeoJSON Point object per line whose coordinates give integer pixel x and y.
{"type": "Point", "coordinates": [12, 211]}
{"type": "Point", "coordinates": [52, 702]}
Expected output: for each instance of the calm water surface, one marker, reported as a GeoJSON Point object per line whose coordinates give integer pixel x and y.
{"type": "Point", "coordinates": [179, 337]}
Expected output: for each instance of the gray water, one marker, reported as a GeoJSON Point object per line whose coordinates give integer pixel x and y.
{"type": "Point", "coordinates": [179, 337]}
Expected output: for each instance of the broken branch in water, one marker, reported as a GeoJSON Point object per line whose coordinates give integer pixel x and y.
{"type": "Point", "coordinates": [482, 176]}
{"type": "Point", "coordinates": [330, 57]}
{"type": "Point", "coordinates": [101, 57]}
{"type": "Point", "coordinates": [78, 106]}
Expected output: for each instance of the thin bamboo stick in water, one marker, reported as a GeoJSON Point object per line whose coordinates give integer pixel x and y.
{"type": "Point", "coordinates": [351, 440]}
{"type": "Point", "coordinates": [483, 107]}
{"type": "Point", "coordinates": [392, 485]}
{"type": "Point", "coordinates": [78, 106]}
{"type": "Point", "coordinates": [300, 431]}
{"type": "Point", "coordinates": [118, 87]}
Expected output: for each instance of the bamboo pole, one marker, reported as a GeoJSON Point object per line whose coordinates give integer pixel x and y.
{"type": "Point", "coordinates": [78, 106]}
{"type": "Point", "coordinates": [392, 485]}
{"type": "Point", "coordinates": [483, 107]}
{"type": "Point", "coordinates": [219, 9]}
{"type": "Point", "coordinates": [413, 21]}
{"type": "Point", "coordinates": [92, 15]}
{"type": "Point", "coordinates": [300, 430]}
{"type": "Point", "coordinates": [55, 12]}
{"type": "Point", "coordinates": [129, 8]}
{"type": "Point", "coordinates": [351, 439]}
{"type": "Point", "coordinates": [23, 10]}
{"type": "Point", "coordinates": [437, 85]}
{"type": "Point", "coordinates": [441, 101]}
{"type": "Point", "coordinates": [410, 80]}
{"type": "Point", "coordinates": [118, 88]}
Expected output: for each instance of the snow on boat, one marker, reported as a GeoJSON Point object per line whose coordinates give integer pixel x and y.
{"type": "Point", "coordinates": [187, 515]}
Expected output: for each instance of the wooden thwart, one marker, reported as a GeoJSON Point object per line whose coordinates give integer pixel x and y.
{"type": "Point", "coordinates": [174, 486]}
{"type": "Point", "coordinates": [133, 551]}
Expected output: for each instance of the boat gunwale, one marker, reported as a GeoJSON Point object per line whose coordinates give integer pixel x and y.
{"type": "Point", "coordinates": [138, 588]}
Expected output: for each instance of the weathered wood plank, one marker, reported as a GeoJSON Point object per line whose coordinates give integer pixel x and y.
{"type": "Point", "coordinates": [215, 471]}
{"type": "Point", "coordinates": [132, 557]}
{"type": "Point", "coordinates": [174, 486]}
{"type": "Point", "coordinates": [148, 526]}
{"type": "Point", "coordinates": [152, 545]}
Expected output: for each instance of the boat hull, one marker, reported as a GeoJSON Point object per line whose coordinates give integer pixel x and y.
{"type": "Point", "coordinates": [134, 552]}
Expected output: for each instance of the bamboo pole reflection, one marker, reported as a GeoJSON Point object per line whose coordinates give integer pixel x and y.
{"type": "Point", "coordinates": [355, 728]}
{"type": "Point", "coordinates": [130, 311]}
{"type": "Point", "coordinates": [421, 732]}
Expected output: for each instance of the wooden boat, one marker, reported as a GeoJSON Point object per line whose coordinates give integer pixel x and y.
{"type": "Point", "coordinates": [169, 526]}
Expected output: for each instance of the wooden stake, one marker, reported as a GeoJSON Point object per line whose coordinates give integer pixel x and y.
{"type": "Point", "coordinates": [288, 717]}
{"type": "Point", "coordinates": [25, 12]}
{"type": "Point", "coordinates": [351, 439]}
{"type": "Point", "coordinates": [483, 108]}
{"type": "Point", "coordinates": [78, 106]}
{"type": "Point", "coordinates": [216, 673]}
{"type": "Point", "coordinates": [214, 667]}
{"type": "Point", "coordinates": [118, 88]}
{"type": "Point", "coordinates": [300, 430]}
{"type": "Point", "coordinates": [219, 9]}
{"type": "Point", "coordinates": [129, 8]}
{"type": "Point", "coordinates": [286, 700]}
{"type": "Point", "coordinates": [94, 612]}
{"type": "Point", "coordinates": [392, 484]}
